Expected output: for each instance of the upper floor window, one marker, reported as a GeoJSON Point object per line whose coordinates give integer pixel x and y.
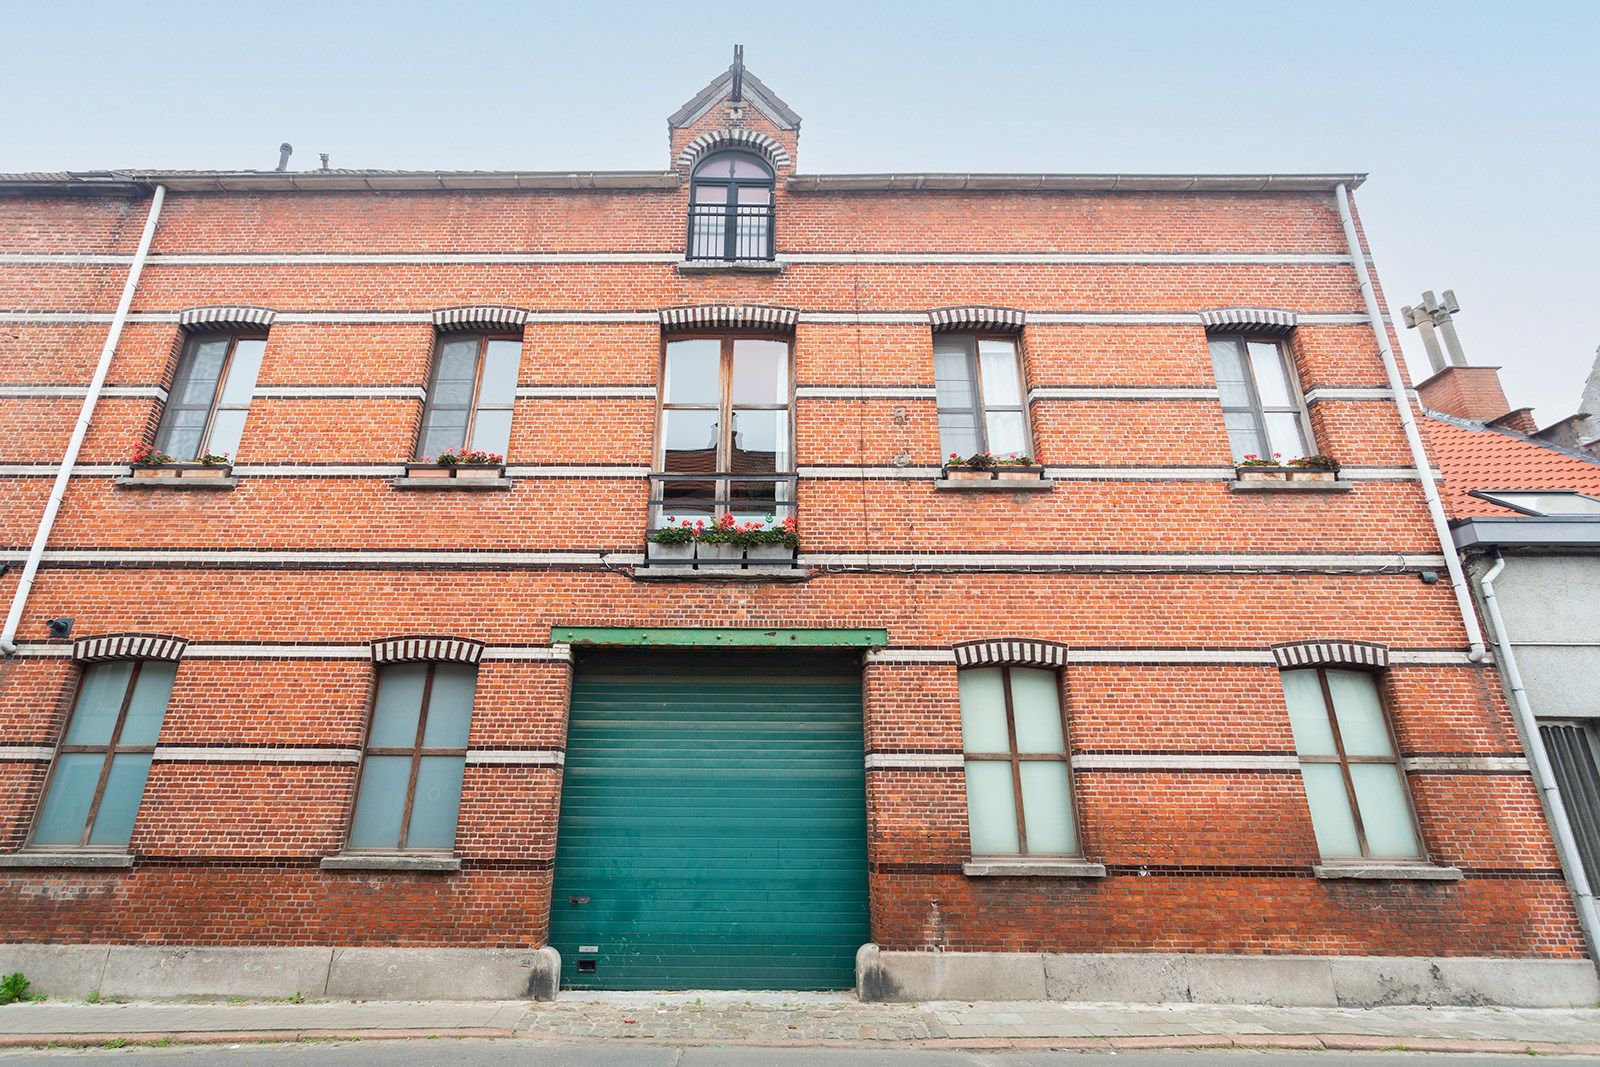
{"type": "Point", "coordinates": [1260, 399]}
{"type": "Point", "coordinates": [409, 792]}
{"type": "Point", "coordinates": [98, 777]}
{"type": "Point", "coordinates": [1019, 786]}
{"type": "Point", "coordinates": [210, 395]}
{"type": "Point", "coordinates": [730, 208]}
{"type": "Point", "coordinates": [471, 393]}
{"type": "Point", "coordinates": [979, 384]}
{"type": "Point", "coordinates": [724, 438]}
{"type": "Point", "coordinates": [1360, 808]}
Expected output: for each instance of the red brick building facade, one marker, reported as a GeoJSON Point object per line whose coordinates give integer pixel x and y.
{"type": "Point", "coordinates": [1165, 593]}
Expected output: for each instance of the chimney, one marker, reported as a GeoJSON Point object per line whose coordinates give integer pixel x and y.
{"type": "Point", "coordinates": [285, 150]}
{"type": "Point", "coordinates": [1454, 388]}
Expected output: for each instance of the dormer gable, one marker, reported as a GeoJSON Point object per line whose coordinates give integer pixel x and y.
{"type": "Point", "coordinates": [734, 111]}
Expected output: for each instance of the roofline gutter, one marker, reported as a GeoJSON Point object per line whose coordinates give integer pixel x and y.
{"type": "Point", "coordinates": [1408, 422]}
{"type": "Point", "coordinates": [139, 183]}
{"type": "Point", "coordinates": [1544, 778]}
{"type": "Point", "coordinates": [1070, 183]}
{"type": "Point", "coordinates": [58, 491]}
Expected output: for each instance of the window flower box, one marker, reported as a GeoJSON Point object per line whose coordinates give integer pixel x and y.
{"type": "Point", "coordinates": [726, 545]}
{"type": "Point", "coordinates": [148, 465]}
{"type": "Point", "coordinates": [1019, 472]}
{"type": "Point", "coordinates": [967, 474]}
{"type": "Point", "coordinates": [464, 465]}
{"type": "Point", "coordinates": [1304, 472]}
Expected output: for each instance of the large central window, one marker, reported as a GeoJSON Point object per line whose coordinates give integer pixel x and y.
{"type": "Point", "coordinates": [979, 383]}
{"type": "Point", "coordinates": [730, 208]}
{"type": "Point", "coordinates": [724, 437]}
{"type": "Point", "coordinates": [210, 396]}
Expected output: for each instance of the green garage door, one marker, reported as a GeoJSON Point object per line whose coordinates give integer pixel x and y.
{"type": "Point", "coordinates": [713, 823]}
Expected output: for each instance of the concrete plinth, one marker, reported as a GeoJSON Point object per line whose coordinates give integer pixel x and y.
{"type": "Point", "coordinates": [1160, 977]}
{"type": "Point", "coordinates": [150, 971]}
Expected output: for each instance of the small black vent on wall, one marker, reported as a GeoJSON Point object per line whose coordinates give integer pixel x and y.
{"type": "Point", "coordinates": [586, 966]}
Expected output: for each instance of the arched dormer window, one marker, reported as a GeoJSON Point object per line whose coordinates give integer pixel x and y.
{"type": "Point", "coordinates": [730, 208]}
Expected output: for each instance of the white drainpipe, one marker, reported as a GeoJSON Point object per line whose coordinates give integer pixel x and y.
{"type": "Point", "coordinates": [1544, 777]}
{"type": "Point", "coordinates": [1419, 455]}
{"type": "Point", "coordinates": [19, 600]}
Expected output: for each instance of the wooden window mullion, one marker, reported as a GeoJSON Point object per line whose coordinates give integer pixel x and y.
{"type": "Point", "coordinates": [416, 755]}
{"type": "Point", "coordinates": [1016, 764]}
{"type": "Point", "coordinates": [111, 752]}
{"type": "Point", "coordinates": [473, 397]}
{"type": "Point", "coordinates": [1344, 761]}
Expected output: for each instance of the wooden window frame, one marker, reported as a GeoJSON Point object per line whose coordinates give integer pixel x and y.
{"type": "Point", "coordinates": [1016, 759]}
{"type": "Point", "coordinates": [416, 751]}
{"type": "Point", "coordinates": [441, 338]}
{"type": "Point", "coordinates": [111, 750]}
{"type": "Point", "coordinates": [725, 409]}
{"type": "Point", "coordinates": [190, 343]}
{"type": "Point", "coordinates": [1343, 761]}
{"type": "Point", "coordinates": [1258, 410]}
{"type": "Point", "coordinates": [730, 214]}
{"type": "Point", "coordinates": [980, 412]}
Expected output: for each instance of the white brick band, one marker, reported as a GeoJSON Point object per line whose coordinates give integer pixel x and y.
{"type": "Point", "coordinates": [915, 761]}
{"type": "Point", "coordinates": [198, 754]}
{"type": "Point", "coordinates": [524, 757]}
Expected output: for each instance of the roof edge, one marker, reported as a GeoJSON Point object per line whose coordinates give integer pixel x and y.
{"type": "Point", "coordinates": [1042, 182]}
{"type": "Point", "coordinates": [140, 183]}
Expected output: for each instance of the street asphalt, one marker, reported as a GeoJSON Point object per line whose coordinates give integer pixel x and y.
{"type": "Point", "coordinates": [521, 1053]}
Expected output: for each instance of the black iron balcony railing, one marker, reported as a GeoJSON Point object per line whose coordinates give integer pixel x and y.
{"type": "Point", "coordinates": [678, 498]}
{"type": "Point", "coordinates": [738, 233]}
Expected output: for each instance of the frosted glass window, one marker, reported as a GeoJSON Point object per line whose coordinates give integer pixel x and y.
{"type": "Point", "coordinates": [991, 809]}
{"type": "Point", "coordinates": [983, 710]}
{"type": "Point", "coordinates": [98, 778]}
{"type": "Point", "coordinates": [1047, 805]}
{"type": "Point", "coordinates": [471, 394]}
{"type": "Point", "coordinates": [1354, 786]}
{"type": "Point", "coordinates": [1260, 399]}
{"type": "Point", "coordinates": [409, 792]}
{"type": "Point", "coordinates": [980, 390]}
{"type": "Point", "coordinates": [210, 396]}
{"type": "Point", "coordinates": [1037, 705]}
{"type": "Point", "coordinates": [1330, 810]}
{"type": "Point", "coordinates": [1019, 787]}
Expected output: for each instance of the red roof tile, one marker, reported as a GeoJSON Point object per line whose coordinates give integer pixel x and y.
{"type": "Point", "coordinates": [1487, 459]}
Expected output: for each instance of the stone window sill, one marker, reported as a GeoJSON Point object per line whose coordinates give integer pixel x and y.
{"type": "Point", "coordinates": [394, 861]}
{"type": "Point", "coordinates": [78, 860]}
{"type": "Point", "coordinates": [1377, 872]}
{"type": "Point", "coordinates": [785, 572]}
{"type": "Point", "coordinates": [175, 481]}
{"type": "Point", "coordinates": [501, 482]}
{"type": "Point", "coordinates": [1240, 485]}
{"type": "Point", "coordinates": [1032, 868]}
{"type": "Point", "coordinates": [718, 266]}
{"type": "Point", "coordinates": [996, 485]}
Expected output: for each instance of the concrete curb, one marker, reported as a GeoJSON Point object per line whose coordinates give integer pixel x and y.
{"type": "Point", "coordinates": [1258, 1042]}
{"type": "Point", "coordinates": [240, 1037]}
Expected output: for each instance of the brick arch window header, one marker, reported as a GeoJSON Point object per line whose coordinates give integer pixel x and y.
{"type": "Point", "coordinates": [1359, 654]}
{"type": "Point", "coordinates": [480, 317]}
{"type": "Point", "coordinates": [1011, 652]}
{"type": "Point", "coordinates": [730, 317]}
{"type": "Point", "coordinates": [419, 648]}
{"type": "Point", "coordinates": [230, 317]}
{"type": "Point", "coordinates": [978, 317]}
{"type": "Point", "coordinates": [108, 647]}
{"type": "Point", "coordinates": [1249, 320]}
{"type": "Point", "coordinates": [760, 144]}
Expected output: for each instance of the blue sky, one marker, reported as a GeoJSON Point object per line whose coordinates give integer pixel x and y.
{"type": "Point", "coordinates": [1479, 122]}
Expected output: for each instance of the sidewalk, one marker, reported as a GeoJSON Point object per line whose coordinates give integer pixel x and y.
{"type": "Point", "coordinates": [811, 1019]}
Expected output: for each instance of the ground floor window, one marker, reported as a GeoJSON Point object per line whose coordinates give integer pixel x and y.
{"type": "Point", "coordinates": [1019, 787]}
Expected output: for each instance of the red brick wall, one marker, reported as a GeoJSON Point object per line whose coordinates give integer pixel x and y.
{"type": "Point", "coordinates": [1199, 860]}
